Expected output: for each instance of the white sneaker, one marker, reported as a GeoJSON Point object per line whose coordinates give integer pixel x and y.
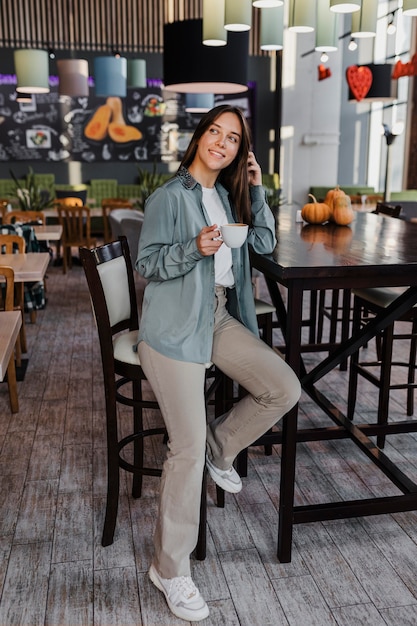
{"type": "Point", "coordinates": [182, 596]}
{"type": "Point", "coordinates": [229, 480]}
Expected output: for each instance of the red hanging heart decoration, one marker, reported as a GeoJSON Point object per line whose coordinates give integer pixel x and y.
{"type": "Point", "coordinates": [359, 80]}
{"type": "Point", "coordinates": [324, 72]}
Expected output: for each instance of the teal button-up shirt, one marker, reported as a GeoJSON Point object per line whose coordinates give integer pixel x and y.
{"type": "Point", "coordinates": [178, 306]}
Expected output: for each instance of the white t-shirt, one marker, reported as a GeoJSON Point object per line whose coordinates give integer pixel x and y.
{"type": "Point", "coordinates": [223, 257]}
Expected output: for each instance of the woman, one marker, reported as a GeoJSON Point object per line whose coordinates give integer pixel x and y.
{"type": "Point", "coordinates": [198, 308]}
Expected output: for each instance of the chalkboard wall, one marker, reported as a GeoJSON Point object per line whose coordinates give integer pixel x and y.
{"type": "Point", "coordinates": [51, 133]}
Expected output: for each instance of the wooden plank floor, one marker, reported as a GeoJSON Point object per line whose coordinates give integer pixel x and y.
{"type": "Point", "coordinates": [54, 571]}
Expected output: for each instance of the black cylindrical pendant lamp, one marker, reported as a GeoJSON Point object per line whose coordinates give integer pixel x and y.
{"type": "Point", "coordinates": [191, 67]}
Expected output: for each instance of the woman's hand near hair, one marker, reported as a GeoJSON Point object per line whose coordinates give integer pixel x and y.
{"type": "Point", "coordinates": [208, 240]}
{"type": "Point", "coordinates": [254, 170]}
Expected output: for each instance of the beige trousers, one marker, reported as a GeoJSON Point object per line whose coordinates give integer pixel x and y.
{"type": "Point", "coordinates": [179, 389]}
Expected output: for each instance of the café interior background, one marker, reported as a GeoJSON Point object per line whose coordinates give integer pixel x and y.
{"type": "Point", "coordinates": [305, 128]}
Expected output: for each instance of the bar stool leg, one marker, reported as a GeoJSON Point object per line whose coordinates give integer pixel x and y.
{"type": "Point", "coordinates": [384, 382]}
{"type": "Point", "coordinates": [353, 372]}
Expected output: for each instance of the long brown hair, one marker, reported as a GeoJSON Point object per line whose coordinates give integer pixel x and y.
{"type": "Point", "coordinates": [235, 176]}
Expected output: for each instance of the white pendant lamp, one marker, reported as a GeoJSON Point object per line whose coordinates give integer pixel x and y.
{"type": "Point", "coordinates": [214, 32]}
{"type": "Point", "coordinates": [110, 76]}
{"type": "Point", "coordinates": [364, 21]}
{"type": "Point", "coordinates": [136, 73]}
{"type": "Point", "coordinates": [73, 77]}
{"type": "Point", "coordinates": [199, 102]}
{"type": "Point", "coordinates": [302, 16]}
{"type": "Point", "coordinates": [344, 6]}
{"type": "Point", "coordinates": [267, 4]}
{"type": "Point", "coordinates": [32, 71]}
{"type": "Point", "coordinates": [327, 29]}
{"type": "Point", "coordinates": [238, 15]}
{"type": "Point", "coordinates": [272, 28]}
{"type": "Point", "coordinates": [410, 7]}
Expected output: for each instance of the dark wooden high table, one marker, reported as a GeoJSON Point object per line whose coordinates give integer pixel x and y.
{"type": "Point", "coordinates": [373, 251]}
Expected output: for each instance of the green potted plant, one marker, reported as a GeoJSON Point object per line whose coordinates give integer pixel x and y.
{"type": "Point", "coordinates": [271, 183]}
{"type": "Point", "coordinates": [31, 197]}
{"type": "Point", "coordinates": [148, 182]}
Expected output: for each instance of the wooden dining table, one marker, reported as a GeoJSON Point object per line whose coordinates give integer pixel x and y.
{"type": "Point", "coordinates": [28, 267]}
{"type": "Point", "coordinates": [10, 323]}
{"type": "Point", "coordinates": [48, 232]}
{"type": "Point", "coordinates": [373, 251]}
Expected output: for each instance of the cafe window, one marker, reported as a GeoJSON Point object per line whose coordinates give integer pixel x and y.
{"type": "Point", "coordinates": [390, 47]}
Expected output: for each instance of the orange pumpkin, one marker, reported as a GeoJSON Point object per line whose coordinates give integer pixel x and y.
{"type": "Point", "coordinates": [332, 196]}
{"type": "Point", "coordinates": [315, 212]}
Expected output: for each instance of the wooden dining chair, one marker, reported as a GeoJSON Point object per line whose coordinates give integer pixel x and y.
{"type": "Point", "coordinates": [10, 244]}
{"type": "Point", "coordinates": [4, 203]}
{"type": "Point", "coordinates": [65, 201]}
{"type": "Point", "coordinates": [76, 231]}
{"type": "Point", "coordinates": [23, 217]}
{"type": "Point", "coordinates": [108, 205]}
{"type": "Point", "coordinates": [111, 283]}
{"type": "Point", "coordinates": [7, 274]}
{"type": "Point", "coordinates": [68, 201]}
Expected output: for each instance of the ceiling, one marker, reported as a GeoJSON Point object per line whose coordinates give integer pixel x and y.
{"type": "Point", "coordinates": [97, 25]}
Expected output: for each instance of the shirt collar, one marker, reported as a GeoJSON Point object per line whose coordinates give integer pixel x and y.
{"type": "Point", "coordinates": [186, 178]}
{"type": "Point", "coordinates": [190, 182]}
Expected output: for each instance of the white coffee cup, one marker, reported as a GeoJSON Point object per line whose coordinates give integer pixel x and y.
{"type": "Point", "coordinates": [234, 235]}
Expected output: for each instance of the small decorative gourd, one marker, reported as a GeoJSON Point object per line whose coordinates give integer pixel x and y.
{"type": "Point", "coordinates": [343, 213]}
{"type": "Point", "coordinates": [315, 212]}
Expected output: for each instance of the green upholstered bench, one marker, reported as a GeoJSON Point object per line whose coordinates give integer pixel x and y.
{"type": "Point", "coordinates": [351, 190]}
{"type": "Point", "coordinates": [406, 194]}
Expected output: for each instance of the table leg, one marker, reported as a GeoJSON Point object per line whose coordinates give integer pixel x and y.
{"type": "Point", "coordinates": [312, 337]}
{"type": "Point", "coordinates": [289, 430]}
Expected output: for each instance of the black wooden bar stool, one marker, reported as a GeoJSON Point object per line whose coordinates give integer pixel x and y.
{"type": "Point", "coordinates": [110, 279]}
{"type": "Point", "coordinates": [373, 300]}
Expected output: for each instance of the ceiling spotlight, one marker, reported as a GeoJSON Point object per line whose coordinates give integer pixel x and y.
{"type": "Point", "coordinates": [391, 133]}
{"type": "Point", "coordinates": [324, 57]}
{"type": "Point", "coordinates": [352, 45]}
{"type": "Point", "coordinates": [391, 28]}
